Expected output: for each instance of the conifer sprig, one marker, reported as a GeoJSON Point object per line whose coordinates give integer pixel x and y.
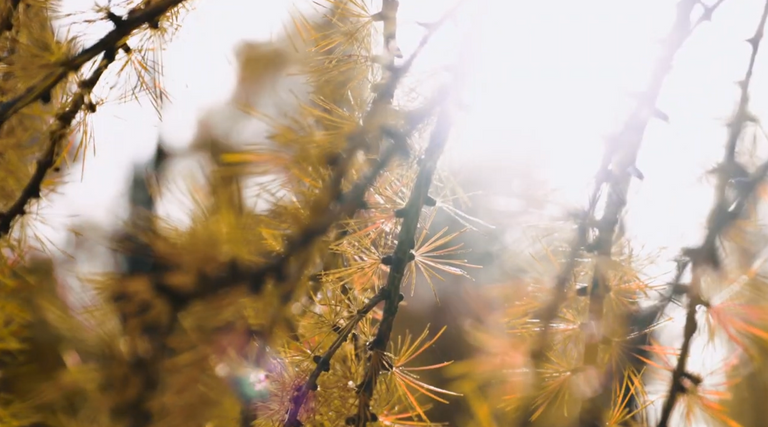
{"type": "Point", "coordinates": [335, 209]}
{"type": "Point", "coordinates": [324, 362]}
{"type": "Point", "coordinates": [56, 136]}
{"type": "Point", "coordinates": [341, 206]}
{"type": "Point", "coordinates": [406, 240]}
{"type": "Point", "coordinates": [618, 170]}
{"type": "Point", "coordinates": [144, 14]}
{"type": "Point", "coordinates": [108, 46]}
{"type": "Point", "coordinates": [382, 100]}
{"type": "Point", "coordinates": [383, 97]}
{"type": "Point", "coordinates": [613, 179]}
{"type": "Point", "coordinates": [725, 211]}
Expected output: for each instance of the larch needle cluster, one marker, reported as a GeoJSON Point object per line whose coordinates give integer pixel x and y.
{"type": "Point", "coordinates": [281, 315]}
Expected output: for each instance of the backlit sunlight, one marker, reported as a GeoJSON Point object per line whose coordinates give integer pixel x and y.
{"type": "Point", "coordinates": [546, 83]}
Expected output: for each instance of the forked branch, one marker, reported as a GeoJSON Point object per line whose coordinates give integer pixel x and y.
{"type": "Point", "coordinates": [725, 211]}
{"type": "Point", "coordinates": [324, 362]}
{"type": "Point", "coordinates": [56, 136]}
{"type": "Point", "coordinates": [108, 46]}
{"type": "Point", "coordinates": [406, 240]}
{"type": "Point", "coordinates": [619, 169]}
{"type": "Point", "coordinates": [613, 179]}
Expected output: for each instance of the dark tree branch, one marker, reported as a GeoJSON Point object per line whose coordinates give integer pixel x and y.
{"type": "Point", "coordinates": [383, 98]}
{"type": "Point", "coordinates": [56, 136]}
{"type": "Point", "coordinates": [108, 46]}
{"type": "Point", "coordinates": [613, 177]}
{"type": "Point", "coordinates": [111, 42]}
{"type": "Point", "coordinates": [345, 205]}
{"type": "Point", "coordinates": [406, 241]}
{"type": "Point", "coordinates": [619, 165]}
{"type": "Point", "coordinates": [724, 212]}
{"type": "Point", "coordinates": [324, 362]}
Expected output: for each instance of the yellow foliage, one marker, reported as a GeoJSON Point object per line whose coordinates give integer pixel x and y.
{"type": "Point", "coordinates": [276, 302]}
{"type": "Point", "coordinates": [224, 320]}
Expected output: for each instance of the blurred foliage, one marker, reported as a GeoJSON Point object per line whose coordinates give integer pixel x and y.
{"type": "Point", "coordinates": [327, 273]}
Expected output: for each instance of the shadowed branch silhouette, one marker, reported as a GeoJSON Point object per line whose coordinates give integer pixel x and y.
{"type": "Point", "coordinates": [725, 211]}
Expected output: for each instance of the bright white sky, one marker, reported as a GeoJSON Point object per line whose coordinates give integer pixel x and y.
{"type": "Point", "coordinates": [550, 79]}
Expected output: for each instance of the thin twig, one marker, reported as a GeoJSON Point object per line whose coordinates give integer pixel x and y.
{"type": "Point", "coordinates": [401, 257]}
{"type": "Point", "coordinates": [345, 205]}
{"type": "Point", "coordinates": [56, 136]}
{"type": "Point", "coordinates": [383, 98]}
{"type": "Point", "coordinates": [300, 395]}
{"type": "Point", "coordinates": [640, 322]}
{"type": "Point", "coordinates": [620, 171]}
{"type": "Point", "coordinates": [112, 41]}
{"type": "Point", "coordinates": [724, 212]}
{"type": "Point", "coordinates": [615, 173]}
{"type": "Point", "coordinates": [701, 257]}
{"type": "Point", "coordinates": [108, 46]}
{"type": "Point", "coordinates": [324, 362]}
{"type": "Point", "coordinates": [414, 120]}
{"type": "Point", "coordinates": [406, 241]}
{"type": "Point", "coordinates": [648, 317]}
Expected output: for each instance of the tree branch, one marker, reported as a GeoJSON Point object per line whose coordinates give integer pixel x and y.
{"type": "Point", "coordinates": [401, 257]}
{"type": "Point", "coordinates": [324, 362]}
{"type": "Point", "coordinates": [108, 46]}
{"type": "Point", "coordinates": [345, 204]}
{"type": "Point", "coordinates": [723, 214]}
{"type": "Point", "coordinates": [112, 41]}
{"type": "Point", "coordinates": [384, 96]}
{"type": "Point", "coordinates": [56, 136]}
{"type": "Point", "coordinates": [615, 174]}
{"type": "Point", "coordinates": [619, 170]}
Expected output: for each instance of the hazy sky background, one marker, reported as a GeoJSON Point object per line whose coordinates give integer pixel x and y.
{"type": "Point", "coordinates": [549, 79]}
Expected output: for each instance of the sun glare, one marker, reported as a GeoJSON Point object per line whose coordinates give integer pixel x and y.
{"type": "Point", "coordinates": [546, 83]}
{"type": "Point", "coordinates": [550, 81]}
